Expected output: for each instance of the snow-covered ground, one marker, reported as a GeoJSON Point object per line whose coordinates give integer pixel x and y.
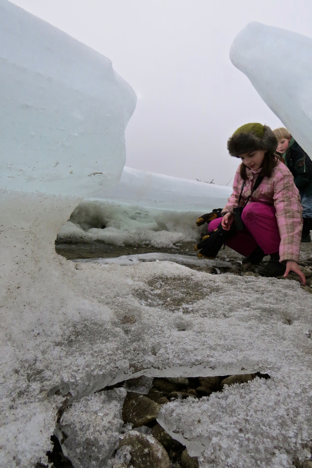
{"type": "Point", "coordinates": [69, 329]}
{"type": "Point", "coordinates": [77, 327]}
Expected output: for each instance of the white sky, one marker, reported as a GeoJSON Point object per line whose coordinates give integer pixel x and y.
{"type": "Point", "coordinates": [175, 54]}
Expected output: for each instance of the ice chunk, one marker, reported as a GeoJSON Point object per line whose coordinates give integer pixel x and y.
{"type": "Point", "coordinates": [261, 423]}
{"type": "Point", "coordinates": [160, 257]}
{"type": "Point", "coordinates": [278, 64]}
{"type": "Point", "coordinates": [119, 224]}
{"type": "Point", "coordinates": [63, 110]}
{"type": "Point", "coordinates": [90, 428]}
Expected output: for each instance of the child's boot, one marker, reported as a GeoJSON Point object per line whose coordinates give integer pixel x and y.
{"type": "Point", "coordinates": [273, 267]}
{"type": "Point", "coordinates": [255, 258]}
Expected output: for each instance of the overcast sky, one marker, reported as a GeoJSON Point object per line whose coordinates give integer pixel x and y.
{"type": "Point", "coordinates": [175, 54]}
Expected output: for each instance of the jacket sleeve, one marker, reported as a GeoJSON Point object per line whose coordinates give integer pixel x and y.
{"type": "Point", "coordinates": [301, 176]}
{"type": "Point", "coordinates": [299, 167]}
{"type": "Point", "coordinates": [289, 216]}
{"type": "Point", "coordinates": [301, 181]}
{"type": "Point", "coordinates": [233, 200]}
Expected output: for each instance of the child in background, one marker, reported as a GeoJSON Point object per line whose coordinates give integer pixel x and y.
{"type": "Point", "coordinates": [272, 212]}
{"type": "Point", "coordinates": [300, 165]}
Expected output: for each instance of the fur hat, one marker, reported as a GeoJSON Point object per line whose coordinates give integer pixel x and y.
{"type": "Point", "coordinates": [252, 137]}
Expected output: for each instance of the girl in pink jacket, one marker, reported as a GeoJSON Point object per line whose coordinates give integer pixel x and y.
{"type": "Point", "coordinates": [272, 212]}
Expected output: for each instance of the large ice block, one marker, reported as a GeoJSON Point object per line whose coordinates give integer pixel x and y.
{"type": "Point", "coordinates": [63, 110]}
{"type": "Point", "coordinates": [279, 65]}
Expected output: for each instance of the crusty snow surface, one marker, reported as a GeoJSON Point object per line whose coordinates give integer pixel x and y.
{"type": "Point", "coordinates": [77, 327]}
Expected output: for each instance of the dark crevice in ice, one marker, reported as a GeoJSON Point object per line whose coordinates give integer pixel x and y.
{"type": "Point", "coordinates": [56, 456]}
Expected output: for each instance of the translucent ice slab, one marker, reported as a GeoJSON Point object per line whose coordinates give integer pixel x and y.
{"type": "Point", "coordinates": [278, 64]}
{"type": "Point", "coordinates": [63, 110]}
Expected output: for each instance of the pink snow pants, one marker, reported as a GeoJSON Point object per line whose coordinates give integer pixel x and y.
{"type": "Point", "coordinates": [261, 229]}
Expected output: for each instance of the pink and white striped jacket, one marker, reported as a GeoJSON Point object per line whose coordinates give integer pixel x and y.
{"type": "Point", "coordinates": [279, 191]}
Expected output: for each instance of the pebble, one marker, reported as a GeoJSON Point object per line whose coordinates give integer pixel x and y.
{"type": "Point", "coordinates": [211, 383]}
{"type": "Point", "coordinates": [203, 391]}
{"type": "Point", "coordinates": [139, 410]}
{"type": "Point", "coordinates": [233, 379]}
{"type": "Point", "coordinates": [188, 462]}
{"type": "Point", "coordinates": [157, 396]}
{"type": "Point", "coordinates": [165, 386]}
{"type": "Point", "coordinates": [180, 381]}
{"type": "Point", "coordinates": [166, 440]}
{"type": "Point", "coordinates": [179, 394]}
{"type": "Point", "coordinates": [145, 451]}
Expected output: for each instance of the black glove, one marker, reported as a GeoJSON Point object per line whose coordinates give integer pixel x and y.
{"type": "Point", "coordinates": [210, 245]}
{"type": "Point", "coordinates": [206, 218]}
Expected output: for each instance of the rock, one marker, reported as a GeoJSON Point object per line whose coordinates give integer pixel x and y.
{"type": "Point", "coordinates": [165, 386]}
{"type": "Point", "coordinates": [233, 379]}
{"type": "Point", "coordinates": [122, 458]}
{"type": "Point", "coordinates": [193, 383]}
{"type": "Point", "coordinates": [307, 272]}
{"type": "Point", "coordinates": [212, 383]}
{"type": "Point", "coordinates": [166, 440]}
{"type": "Point", "coordinates": [188, 462]}
{"type": "Point", "coordinates": [145, 451]}
{"type": "Point", "coordinates": [181, 394]}
{"type": "Point", "coordinates": [157, 396]}
{"type": "Point", "coordinates": [180, 381]}
{"type": "Point", "coordinates": [204, 391]}
{"type": "Point", "coordinates": [139, 410]}
{"type": "Point", "coordinates": [307, 464]}
{"type": "Point", "coordinates": [139, 385]}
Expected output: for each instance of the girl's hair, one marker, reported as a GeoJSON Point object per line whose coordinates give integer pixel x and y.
{"type": "Point", "coordinates": [282, 133]}
{"type": "Point", "coordinates": [269, 162]}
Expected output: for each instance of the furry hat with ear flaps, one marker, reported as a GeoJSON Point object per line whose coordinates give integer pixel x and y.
{"type": "Point", "coordinates": [252, 137]}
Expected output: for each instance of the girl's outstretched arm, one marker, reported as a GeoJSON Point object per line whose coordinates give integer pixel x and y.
{"type": "Point", "coordinates": [293, 266]}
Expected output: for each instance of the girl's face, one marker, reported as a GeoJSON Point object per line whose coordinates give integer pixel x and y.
{"type": "Point", "coordinates": [282, 145]}
{"type": "Point", "coordinates": [253, 160]}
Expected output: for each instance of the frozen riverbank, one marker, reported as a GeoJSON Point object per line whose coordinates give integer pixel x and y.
{"type": "Point", "coordinates": [76, 330]}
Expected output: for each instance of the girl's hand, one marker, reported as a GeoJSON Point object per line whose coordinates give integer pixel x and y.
{"type": "Point", "coordinates": [227, 221]}
{"type": "Point", "coordinates": [293, 266]}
